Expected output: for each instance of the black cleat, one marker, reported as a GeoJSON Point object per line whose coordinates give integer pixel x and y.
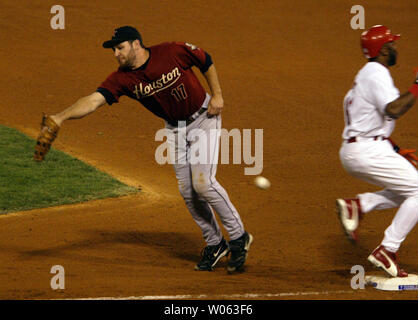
{"type": "Point", "coordinates": [239, 251]}
{"type": "Point", "coordinates": [211, 255]}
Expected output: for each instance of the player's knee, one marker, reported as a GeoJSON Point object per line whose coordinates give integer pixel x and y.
{"type": "Point", "coordinates": [411, 203]}
{"type": "Point", "coordinates": [411, 194]}
{"type": "Point", "coordinates": [201, 186]}
{"type": "Point", "coordinates": [414, 190]}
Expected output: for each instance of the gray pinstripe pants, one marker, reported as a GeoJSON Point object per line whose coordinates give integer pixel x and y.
{"type": "Point", "coordinates": [195, 167]}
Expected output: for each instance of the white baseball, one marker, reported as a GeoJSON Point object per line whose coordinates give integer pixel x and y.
{"type": "Point", "coordinates": [262, 182]}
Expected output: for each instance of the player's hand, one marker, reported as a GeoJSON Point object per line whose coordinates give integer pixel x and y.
{"type": "Point", "coordinates": [215, 105]}
{"type": "Point", "coordinates": [409, 154]}
{"type": "Point", "coordinates": [57, 120]}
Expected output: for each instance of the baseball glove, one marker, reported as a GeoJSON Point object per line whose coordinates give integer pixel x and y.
{"type": "Point", "coordinates": [409, 155]}
{"type": "Point", "coordinates": [49, 131]}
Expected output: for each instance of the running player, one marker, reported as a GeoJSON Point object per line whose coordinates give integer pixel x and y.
{"type": "Point", "coordinates": [371, 107]}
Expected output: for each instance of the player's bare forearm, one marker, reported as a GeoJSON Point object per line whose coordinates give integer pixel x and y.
{"type": "Point", "coordinates": [400, 106]}
{"type": "Point", "coordinates": [216, 103]}
{"type": "Point", "coordinates": [212, 78]}
{"type": "Point", "coordinates": [81, 108]}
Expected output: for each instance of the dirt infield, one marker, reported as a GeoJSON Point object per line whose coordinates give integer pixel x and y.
{"type": "Point", "coordinates": [284, 66]}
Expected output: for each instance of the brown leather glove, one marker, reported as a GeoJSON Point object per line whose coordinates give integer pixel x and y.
{"type": "Point", "coordinates": [409, 155]}
{"type": "Point", "coordinates": [49, 131]}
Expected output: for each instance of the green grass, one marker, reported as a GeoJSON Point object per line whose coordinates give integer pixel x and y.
{"type": "Point", "coordinates": [60, 179]}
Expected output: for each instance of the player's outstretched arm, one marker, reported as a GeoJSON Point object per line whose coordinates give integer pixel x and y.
{"type": "Point", "coordinates": [216, 103]}
{"type": "Point", "coordinates": [50, 125]}
{"type": "Point", "coordinates": [401, 105]}
{"type": "Point", "coordinates": [81, 108]}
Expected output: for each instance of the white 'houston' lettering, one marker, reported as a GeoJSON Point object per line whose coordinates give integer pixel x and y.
{"type": "Point", "coordinates": [166, 80]}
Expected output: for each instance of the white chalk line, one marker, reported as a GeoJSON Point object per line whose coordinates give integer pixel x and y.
{"type": "Point", "coordinates": [220, 296]}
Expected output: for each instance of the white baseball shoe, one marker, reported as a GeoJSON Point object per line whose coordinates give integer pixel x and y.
{"type": "Point", "coordinates": [349, 213]}
{"type": "Point", "coordinates": [387, 261]}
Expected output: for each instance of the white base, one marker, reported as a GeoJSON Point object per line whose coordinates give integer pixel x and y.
{"type": "Point", "coordinates": [393, 284]}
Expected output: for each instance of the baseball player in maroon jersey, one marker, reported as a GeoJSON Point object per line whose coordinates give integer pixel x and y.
{"type": "Point", "coordinates": [160, 77]}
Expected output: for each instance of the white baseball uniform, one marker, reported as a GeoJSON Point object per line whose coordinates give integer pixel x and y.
{"type": "Point", "coordinates": [367, 155]}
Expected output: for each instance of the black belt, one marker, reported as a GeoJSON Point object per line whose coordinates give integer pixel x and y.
{"type": "Point", "coordinates": [354, 139]}
{"type": "Point", "coordinates": [192, 118]}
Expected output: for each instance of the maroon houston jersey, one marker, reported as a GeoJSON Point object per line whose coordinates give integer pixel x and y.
{"type": "Point", "coordinates": [165, 84]}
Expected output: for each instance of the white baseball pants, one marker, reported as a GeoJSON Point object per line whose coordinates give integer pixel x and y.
{"type": "Point", "coordinates": [377, 163]}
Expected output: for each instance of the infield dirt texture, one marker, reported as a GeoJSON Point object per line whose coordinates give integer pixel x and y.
{"type": "Point", "coordinates": [284, 67]}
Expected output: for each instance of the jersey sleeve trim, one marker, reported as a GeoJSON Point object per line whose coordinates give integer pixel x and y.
{"type": "Point", "coordinates": [110, 98]}
{"type": "Point", "coordinates": [208, 63]}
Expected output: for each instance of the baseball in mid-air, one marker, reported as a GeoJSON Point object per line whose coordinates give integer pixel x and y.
{"type": "Point", "coordinates": [262, 182]}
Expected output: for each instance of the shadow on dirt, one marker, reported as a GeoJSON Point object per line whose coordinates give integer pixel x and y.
{"type": "Point", "coordinates": [179, 245]}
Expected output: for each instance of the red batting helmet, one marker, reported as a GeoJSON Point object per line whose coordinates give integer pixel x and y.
{"type": "Point", "coordinates": [373, 39]}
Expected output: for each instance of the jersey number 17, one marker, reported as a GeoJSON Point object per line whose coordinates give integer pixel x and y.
{"type": "Point", "coordinates": [179, 93]}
